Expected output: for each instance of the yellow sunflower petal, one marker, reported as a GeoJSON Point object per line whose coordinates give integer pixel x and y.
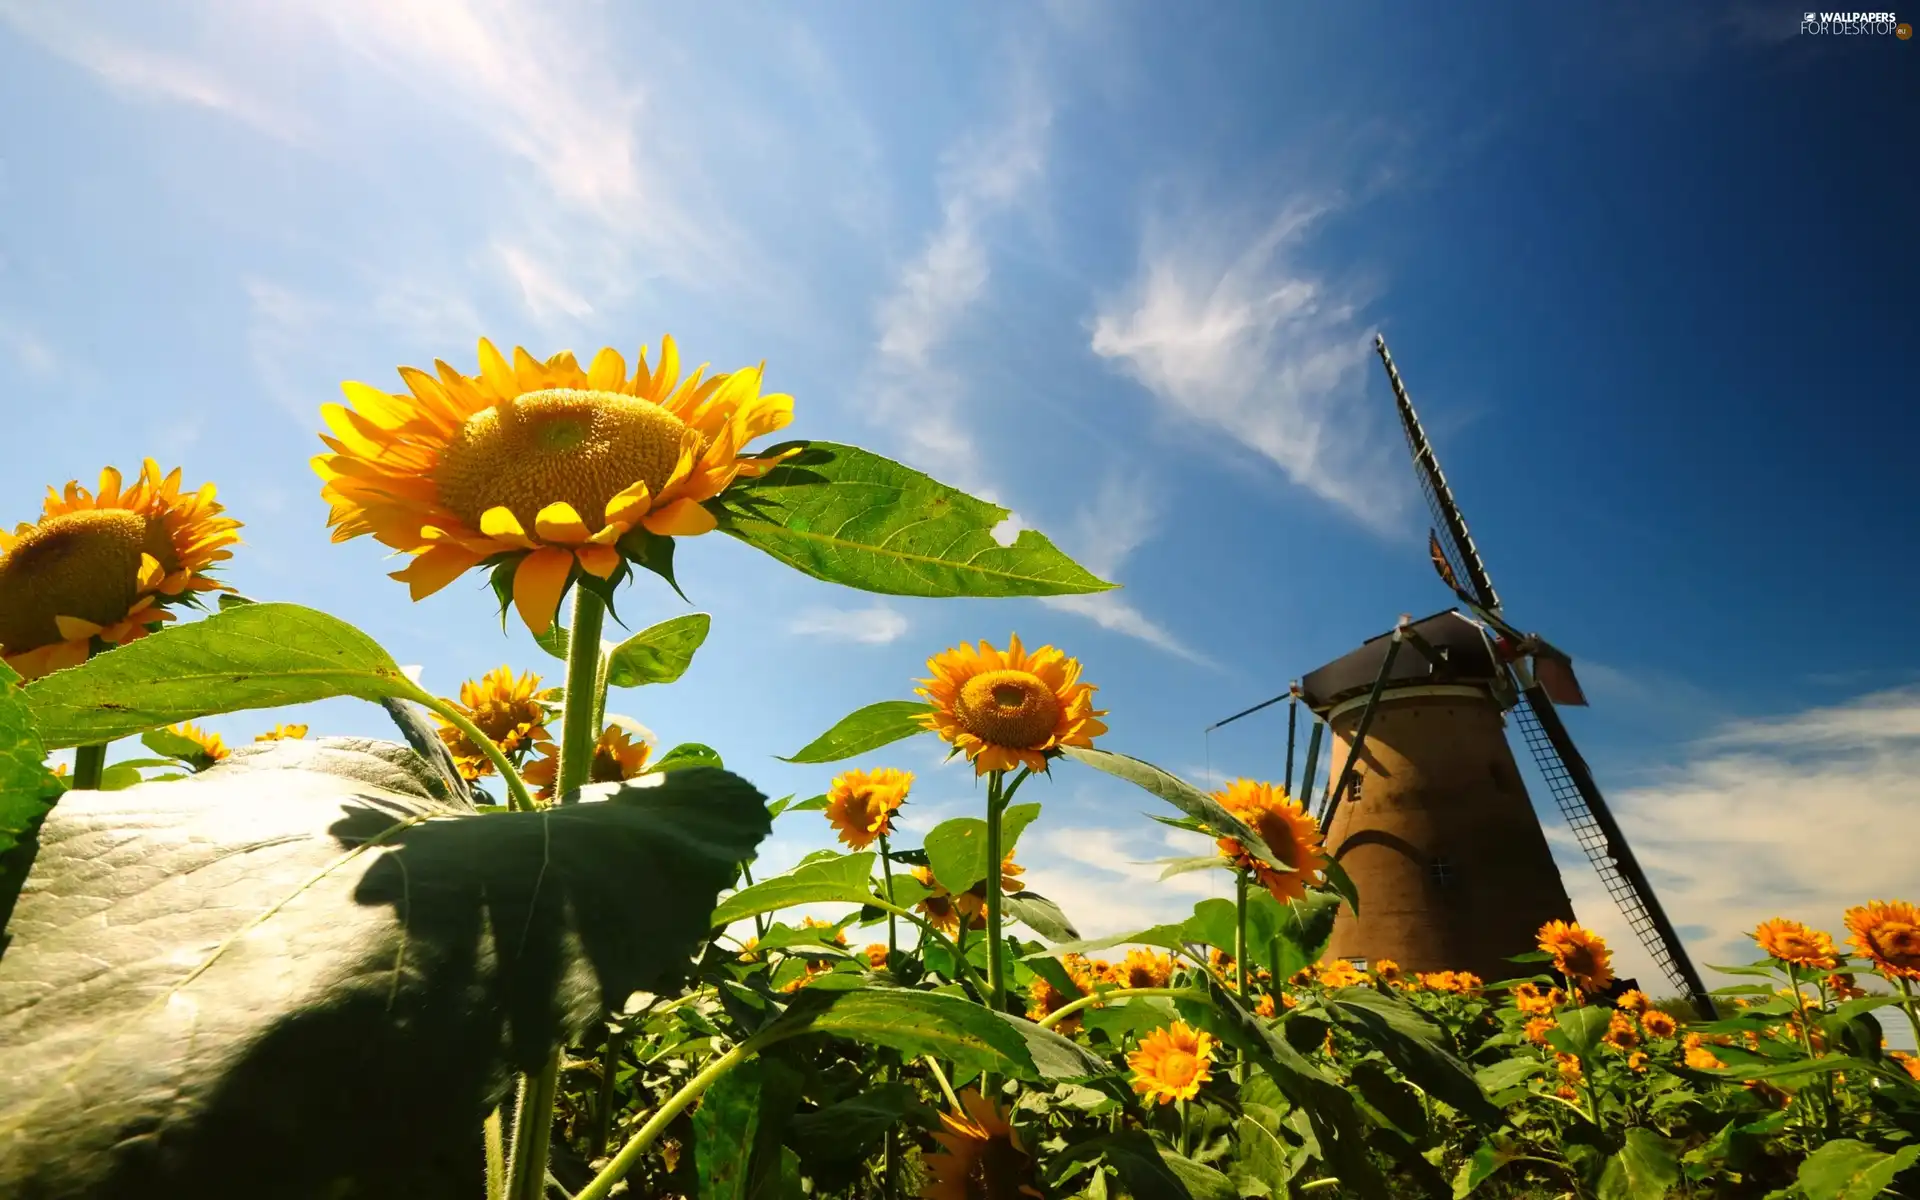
{"type": "Point", "coordinates": [538, 584]}
{"type": "Point", "coordinates": [558, 522]}
{"type": "Point", "coordinates": [434, 569]}
{"type": "Point", "coordinates": [681, 518]}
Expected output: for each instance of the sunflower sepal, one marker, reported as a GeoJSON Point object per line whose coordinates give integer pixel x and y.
{"type": "Point", "coordinates": [652, 551]}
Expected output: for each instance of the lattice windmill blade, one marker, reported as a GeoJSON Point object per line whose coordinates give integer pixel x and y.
{"type": "Point", "coordinates": [1543, 676]}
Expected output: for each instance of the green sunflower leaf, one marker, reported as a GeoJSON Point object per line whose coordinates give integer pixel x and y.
{"type": "Point", "coordinates": [947, 1027]}
{"type": "Point", "coordinates": [1846, 1169]}
{"type": "Point", "coordinates": [659, 653]}
{"type": "Point", "coordinates": [251, 656]}
{"type": "Point", "coordinates": [27, 788]}
{"type": "Point", "coordinates": [865, 729]}
{"type": "Point", "coordinates": [845, 879]}
{"type": "Point", "coordinates": [849, 516]}
{"type": "Point", "coordinates": [957, 849]}
{"type": "Point", "coordinates": [1179, 793]}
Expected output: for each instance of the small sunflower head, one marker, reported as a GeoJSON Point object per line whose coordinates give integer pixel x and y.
{"type": "Point", "coordinates": [876, 956]}
{"type": "Point", "coordinates": [1791, 942]}
{"type": "Point", "coordinates": [1579, 954]}
{"type": "Point", "coordinates": [937, 905]}
{"type": "Point", "coordinates": [1011, 708]}
{"type": "Point", "coordinates": [1538, 1028]}
{"type": "Point", "coordinates": [209, 748]}
{"type": "Point", "coordinates": [1339, 973]}
{"type": "Point", "coordinates": [1694, 1052]}
{"type": "Point", "coordinates": [282, 733]}
{"type": "Point", "coordinates": [1388, 972]}
{"type": "Point", "coordinates": [1143, 969]}
{"type": "Point", "coordinates": [1289, 831]}
{"type": "Point", "coordinates": [861, 804]}
{"type": "Point", "coordinates": [510, 709]}
{"type": "Point", "coordinates": [1172, 1063]}
{"type": "Point", "coordinates": [1621, 1033]}
{"type": "Point", "coordinates": [1657, 1023]}
{"type": "Point", "coordinates": [972, 903]}
{"type": "Point", "coordinates": [547, 472]}
{"type": "Point", "coordinates": [103, 568]}
{"type": "Point", "coordinates": [1044, 999]}
{"type": "Point", "coordinates": [1633, 1000]}
{"type": "Point", "coordinates": [1887, 932]}
{"type": "Point", "coordinates": [980, 1155]}
{"type": "Point", "coordinates": [617, 757]}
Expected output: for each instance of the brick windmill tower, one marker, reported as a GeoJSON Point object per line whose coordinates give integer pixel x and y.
{"type": "Point", "coordinates": [1427, 812]}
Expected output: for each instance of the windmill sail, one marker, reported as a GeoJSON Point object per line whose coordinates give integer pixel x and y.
{"type": "Point", "coordinates": [1574, 791]}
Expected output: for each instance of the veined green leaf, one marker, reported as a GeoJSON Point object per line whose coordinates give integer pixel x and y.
{"type": "Point", "coordinates": [957, 849]}
{"type": "Point", "coordinates": [1847, 1169]}
{"type": "Point", "coordinates": [1167, 937]}
{"type": "Point", "coordinates": [1644, 1168]}
{"type": "Point", "coordinates": [27, 788]}
{"type": "Point", "coordinates": [659, 653]}
{"type": "Point", "coordinates": [846, 879]}
{"type": "Point", "coordinates": [916, 1023]}
{"type": "Point", "coordinates": [688, 754]}
{"type": "Point", "coordinates": [250, 656]}
{"type": "Point", "coordinates": [866, 729]}
{"type": "Point", "coordinates": [1416, 1045]}
{"type": "Point", "coordinates": [1179, 793]}
{"type": "Point", "coordinates": [849, 516]}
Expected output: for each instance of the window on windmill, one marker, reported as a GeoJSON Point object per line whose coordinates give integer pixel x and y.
{"type": "Point", "coordinates": [1353, 785]}
{"type": "Point", "coordinates": [1441, 872]}
{"type": "Point", "coordinates": [1358, 963]}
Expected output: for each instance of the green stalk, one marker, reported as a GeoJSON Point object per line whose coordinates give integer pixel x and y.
{"type": "Point", "coordinates": [996, 983]}
{"type": "Point", "coordinates": [603, 1107]}
{"type": "Point", "coordinates": [1066, 1010]}
{"type": "Point", "coordinates": [88, 763]}
{"type": "Point", "coordinates": [1912, 1010]}
{"type": "Point", "coordinates": [759, 919]}
{"type": "Point", "coordinates": [496, 1157]}
{"type": "Point", "coordinates": [517, 796]}
{"type": "Point", "coordinates": [893, 937]}
{"type": "Point", "coordinates": [533, 1130]}
{"type": "Point", "coordinates": [929, 933]}
{"type": "Point", "coordinates": [1240, 953]}
{"type": "Point", "coordinates": [636, 1147]}
{"type": "Point", "coordinates": [940, 1077]}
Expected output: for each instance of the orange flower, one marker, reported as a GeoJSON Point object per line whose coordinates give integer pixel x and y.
{"type": "Point", "coordinates": [545, 471]}
{"type": "Point", "coordinates": [972, 903]}
{"type": "Point", "coordinates": [282, 733]}
{"type": "Point", "coordinates": [1172, 1063]}
{"type": "Point", "coordinates": [1621, 1034]}
{"type": "Point", "coordinates": [1340, 973]}
{"type": "Point", "coordinates": [1908, 1063]}
{"type": "Point", "coordinates": [981, 1157]}
{"type": "Point", "coordinates": [510, 709]}
{"type": "Point", "coordinates": [1569, 1068]}
{"type": "Point", "coordinates": [861, 804]}
{"type": "Point", "coordinates": [876, 956]}
{"type": "Point", "coordinates": [937, 905]}
{"type": "Point", "coordinates": [1791, 942]}
{"type": "Point", "coordinates": [616, 758]}
{"type": "Point", "coordinates": [1888, 932]}
{"type": "Point", "coordinates": [1633, 1001]}
{"type": "Point", "coordinates": [1538, 1028]}
{"type": "Point", "coordinates": [1843, 987]}
{"type": "Point", "coordinates": [1008, 709]}
{"type": "Point", "coordinates": [1143, 969]}
{"type": "Point", "coordinates": [1288, 830]}
{"type": "Point", "coordinates": [1529, 999]}
{"type": "Point", "coordinates": [1637, 1061]}
{"type": "Point", "coordinates": [1046, 999]}
{"type": "Point", "coordinates": [1263, 1007]}
{"type": "Point", "coordinates": [1388, 972]}
{"type": "Point", "coordinates": [1658, 1024]}
{"type": "Point", "coordinates": [1693, 1049]}
{"type": "Point", "coordinates": [1579, 954]}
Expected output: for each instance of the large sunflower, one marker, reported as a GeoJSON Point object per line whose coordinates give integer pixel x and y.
{"type": "Point", "coordinates": [1288, 829]}
{"type": "Point", "coordinates": [1791, 942]}
{"type": "Point", "coordinates": [1172, 1063]}
{"type": "Point", "coordinates": [509, 709]}
{"type": "Point", "coordinates": [542, 469]}
{"type": "Point", "coordinates": [1011, 708]}
{"type": "Point", "coordinates": [617, 757]}
{"type": "Point", "coordinates": [981, 1157]}
{"type": "Point", "coordinates": [1579, 954]}
{"type": "Point", "coordinates": [105, 565]}
{"type": "Point", "coordinates": [1888, 932]}
{"type": "Point", "coordinates": [861, 804]}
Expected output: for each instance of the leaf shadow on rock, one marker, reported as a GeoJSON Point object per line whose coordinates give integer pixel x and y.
{"type": "Point", "coordinates": [277, 980]}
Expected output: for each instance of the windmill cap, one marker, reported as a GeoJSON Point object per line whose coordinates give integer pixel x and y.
{"type": "Point", "coordinates": [1467, 657]}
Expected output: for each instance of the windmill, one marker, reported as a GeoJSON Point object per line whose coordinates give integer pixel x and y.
{"type": "Point", "coordinates": [1426, 810]}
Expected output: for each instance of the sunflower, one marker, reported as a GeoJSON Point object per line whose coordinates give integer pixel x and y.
{"type": "Point", "coordinates": [1843, 987]}
{"type": "Point", "coordinates": [616, 758]}
{"type": "Point", "coordinates": [508, 708]}
{"type": "Point", "coordinates": [1634, 1001]}
{"type": "Point", "coordinates": [1637, 1061]}
{"type": "Point", "coordinates": [1888, 932]}
{"type": "Point", "coordinates": [972, 903]}
{"type": "Point", "coordinates": [937, 905]}
{"type": "Point", "coordinates": [1529, 999]}
{"type": "Point", "coordinates": [1340, 973]}
{"type": "Point", "coordinates": [1658, 1024]}
{"type": "Point", "coordinates": [1388, 972]}
{"type": "Point", "coordinates": [1538, 1028]}
{"type": "Point", "coordinates": [876, 955]}
{"type": "Point", "coordinates": [1579, 954]}
{"type": "Point", "coordinates": [1693, 1050]}
{"type": "Point", "coordinates": [283, 733]}
{"type": "Point", "coordinates": [1143, 969]}
{"type": "Point", "coordinates": [1621, 1034]}
{"type": "Point", "coordinates": [105, 565]}
{"type": "Point", "coordinates": [980, 1157]}
{"type": "Point", "coordinates": [211, 749]}
{"type": "Point", "coordinates": [1568, 1066]}
{"type": "Point", "coordinates": [1011, 708]}
{"type": "Point", "coordinates": [1264, 1006]}
{"type": "Point", "coordinates": [545, 471]}
{"type": "Point", "coordinates": [861, 804]}
{"type": "Point", "coordinates": [1791, 942]}
{"type": "Point", "coordinates": [1171, 1063]}
{"type": "Point", "coordinates": [1907, 1062]}
{"type": "Point", "coordinates": [1288, 830]}
{"type": "Point", "coordinates": [1044, 999]}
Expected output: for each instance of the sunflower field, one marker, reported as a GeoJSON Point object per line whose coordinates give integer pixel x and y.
{"type": "Point", "coordinates": [520, 951]}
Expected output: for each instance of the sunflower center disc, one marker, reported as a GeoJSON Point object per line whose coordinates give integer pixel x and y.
{"type": "Point", "coordinates": [1008, 708]}
{"type": "Point", "coordinates": [80, 564]}
{"type": "Point", "coordinates": [1178, 1068]}
{"type": "Point", "coordinates": [559, 444]}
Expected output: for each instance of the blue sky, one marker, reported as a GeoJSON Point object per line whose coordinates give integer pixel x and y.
{"type": "Point", "coordinates": [1648, 275]}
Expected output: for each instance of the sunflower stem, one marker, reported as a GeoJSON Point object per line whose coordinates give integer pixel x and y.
{"type": "Point", "coordinates": [533, 1132]}
{"type": "Point", "coordinates": [1073, 1006]}
{"type": "Point", "coordinates": [1240, 954]}
{"type": "Point", "coordinates": [578, 734]}
{"type": "Point", "coordinates": [496, 1156]}
{"type": "Point", "coordinates": [88, 764]}
{"type": "Point", "coordinates": [893, 936]}
{"type": "Point", "coordinates": [996, 804]}
{"type": "Point", "coordinates": [608, 1098]}
{"type": "Point", "coordinates": [637, 1146]}
{"type": "Point", "coordinates": [1912, 1010]}
{"type": "Point", "coordinates": [517, 795]}
{"type": "Point", "coordinates": [955, 948]}
{"type": "Point", "coordinates": [940, 1077]}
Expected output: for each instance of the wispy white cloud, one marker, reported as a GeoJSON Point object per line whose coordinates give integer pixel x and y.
{"type": "Point", "coordinates": [1105, 881]}
{"type": "Point", "coordinates": [985, 174]}
{"type": "Point", "coordinates": [1235, 334]}
{"type": "Point", "coordinates": [874, 625]}
{"type": "Point", "coordinates": [27, 349]}
{"type": "Point", "coordinates": [1120, 519]}
{"type": "Point", "coordinates": [1800, 816]}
